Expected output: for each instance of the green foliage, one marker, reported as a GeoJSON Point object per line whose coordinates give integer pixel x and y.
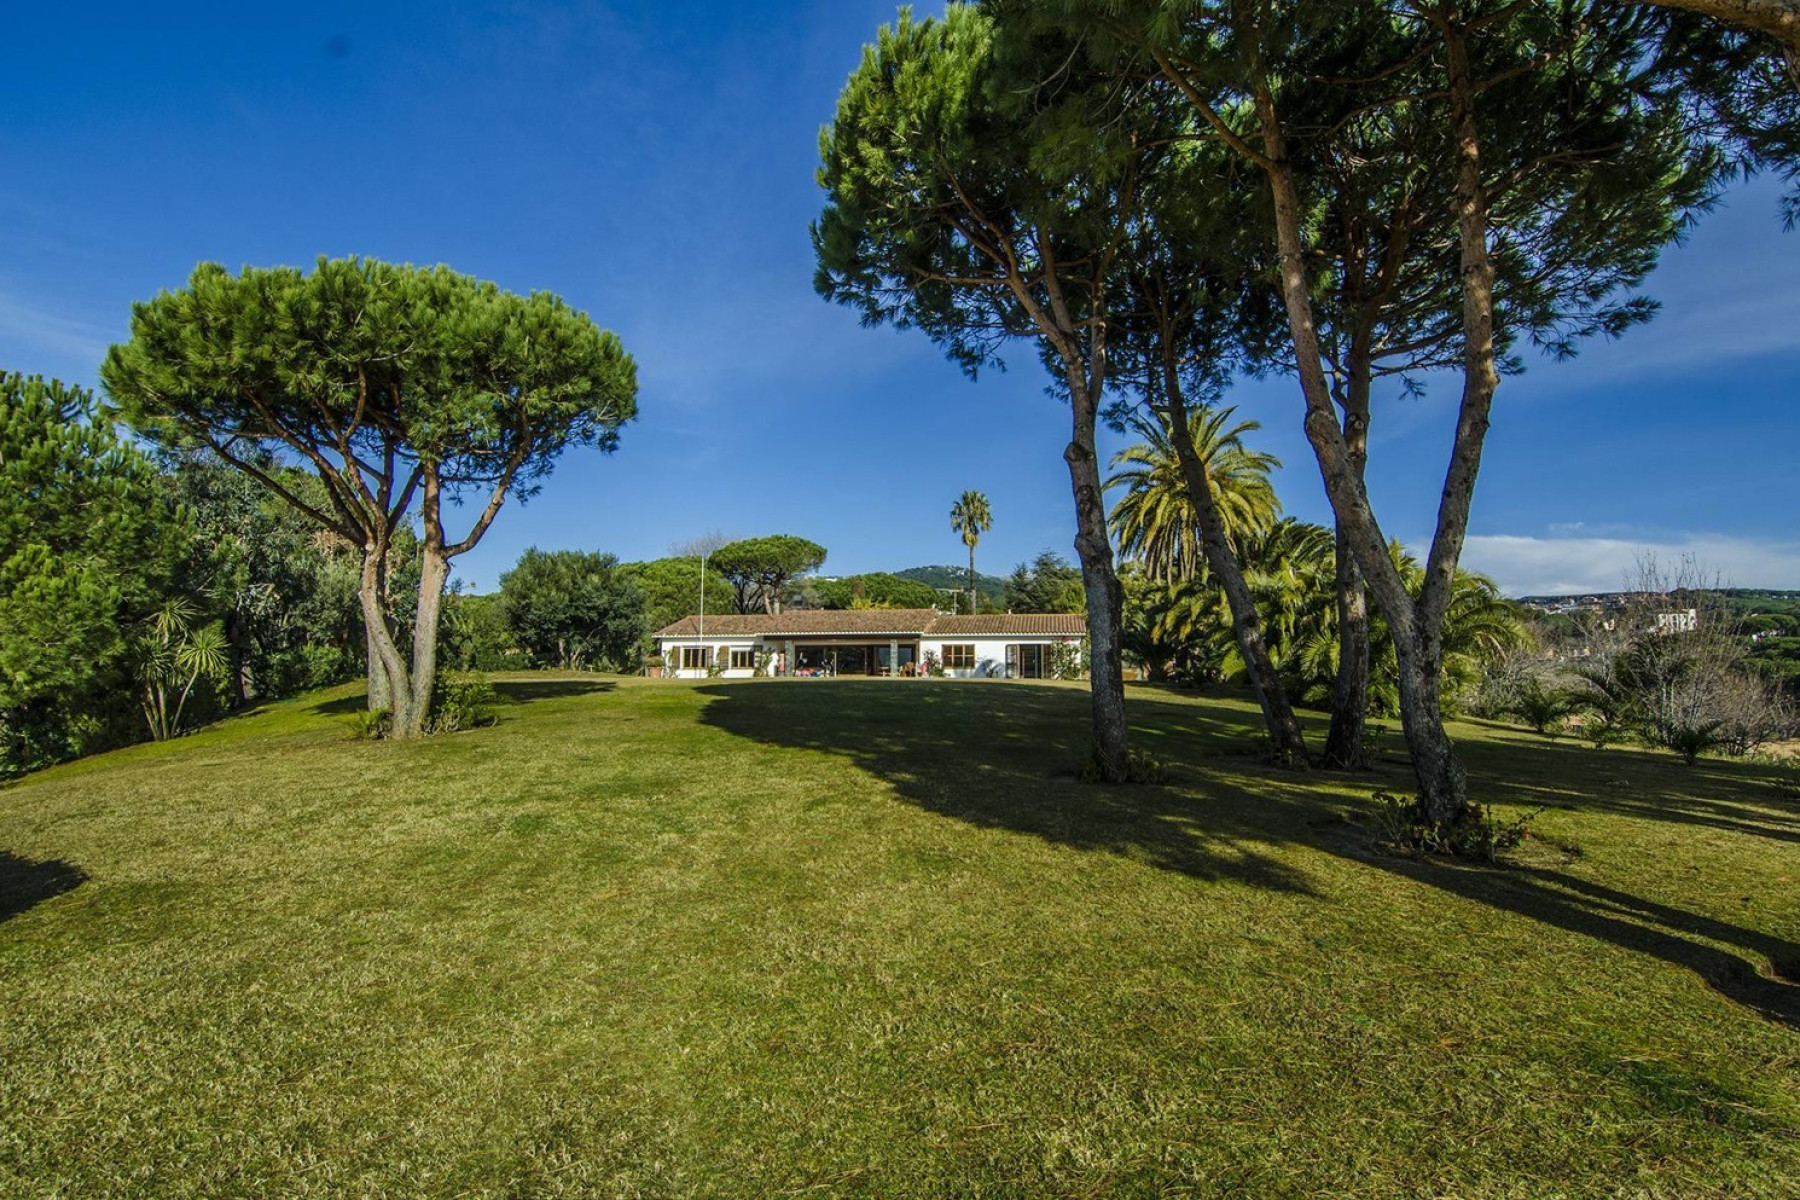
{"type": "Point", "coordinates": [1290, 569]}
{"type": "Point", "coordinates": [574, 609]}
{"type": "Point", "coordinates": [1068, 660]}
{"type": "Point", "coordinates": [1543, 706]}
{"type": "Point", "coordinates": [876, 589]}
{"type": "Point", "coordinates": [451, 373]}
{"type": "Point", "coordinates": [760, 569]}
{"type": "Point", "coordinates": [89, 545]}
{"type": "Point", "coordinates": [970, 517]}
{"type": "Point", "coordinates": [397, 386]}
{"type": "Point", "coordinates": [1047, 584]}
{"type": "Point", "coordinates": [955, 580]}
{"type": "Point", "coordinates": [1141, 767]}
{"type": "Point", "coordinates": [1154, 521]}
{"type": "Point", "coordinates": [1479, 833]}
{"type": "Point", "coordinates": [174, 655]}
{"type": "Point", "coordinates": [462, 701]}
{"type": "Point", "coordinates": [671, 589]}
{"type": "Point", "coordinates": [284, 590]}
{"type": "Point", "coordinates": [371, 724]}
{"type": "Point", "coordinates": [477, 637]}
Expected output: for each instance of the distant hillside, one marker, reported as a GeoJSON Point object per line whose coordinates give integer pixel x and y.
{"type": "Point", "coordinates": [1738, 599]}
{"type": "Point", "coordinates": [990, 586]}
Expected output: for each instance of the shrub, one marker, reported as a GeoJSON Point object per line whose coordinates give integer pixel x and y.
{"type": "Point", "coordinates": [1067, 661]}
{"type": "Point", "coordinates": [1481, 835]}
{"type": "Point", "coordinates": [462, 701]}
{"type": "Point", "coordinates": [305, 667]}
{"type": "Point", "coordinates": [1543, 707]}
{"type": "Point", "coordinates": [1140, 767]}
{"type": "Point", "coordinates": [371, 725]}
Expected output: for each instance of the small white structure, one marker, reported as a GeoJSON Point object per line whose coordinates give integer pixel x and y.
{"type": "Point", "coordinates": [1682, 621]}
{"type": "Point", "coordinates": [898, 641]}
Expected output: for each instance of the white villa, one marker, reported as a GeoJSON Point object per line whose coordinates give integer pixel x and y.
{"type": "Point", "coordinates": [868, 641]}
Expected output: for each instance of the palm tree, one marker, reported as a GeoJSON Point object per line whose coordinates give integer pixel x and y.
{"type": "Point", "coordinates": [971, 517]}
{"type": "Point", "coordinates": [1193, 491]}
{"type": "Point", "coordinates": [174, 656]}
{"type": "Point", "coordinates": [1154, 521]}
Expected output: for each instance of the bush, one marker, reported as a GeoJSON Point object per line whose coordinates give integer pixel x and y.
{"type": "Point", "coordinates": [371, 725]}
{"type": "Point", "coordinates": [1140, 767]}
{"type": "Point", "coordinates": [1543, 707]}
{"type": "Point", "coordinates": [304, 668]}
{"type": "Point", "coordinates": [462, 701]}
{"type": "Point", "coordinates": [1401, 825]}
{"type": "Point", "coordinates": [1067, 661]}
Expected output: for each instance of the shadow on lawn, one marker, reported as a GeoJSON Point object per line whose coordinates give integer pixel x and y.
{"type": "Point", "coordinates": [518, 691]}
{"type": "Point", "coordinates": [1004, 755]}
{"type": "Point", "coordinates": [1644, 785]}
{"type": "Point", "coordinates": [1678, 937]}
{"type": "Point", "coordinates": [1001, 755]}
{"type": "Point", "coordinates": [25, 883]}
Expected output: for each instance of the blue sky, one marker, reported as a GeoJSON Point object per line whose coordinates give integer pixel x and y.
{"type": "Point", "coordinates": [653, 163]}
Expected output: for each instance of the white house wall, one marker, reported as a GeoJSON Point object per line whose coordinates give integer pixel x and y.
{"type": "Point", "coordinates": [990, 651]}
{"type": "Point", "coordinates": [671, 648]}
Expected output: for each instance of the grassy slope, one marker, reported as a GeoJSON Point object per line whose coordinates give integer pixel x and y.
{"type": "Point", "coordinates": [653, 938]}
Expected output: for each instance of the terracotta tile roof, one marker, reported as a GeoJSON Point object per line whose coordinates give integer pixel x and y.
{"type": "Point", "coordinates": [1010, 624]}
{"type": "Point", "coordinates": [906, 622]}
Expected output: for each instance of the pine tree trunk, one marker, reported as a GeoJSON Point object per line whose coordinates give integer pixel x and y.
{"type": "Point", "coordinates": [1344, 743]}
{"type": "Point", "coordinates": [1286, 742]}
{"type": "Point", "coordinates": [1350, 701]}
{"type": "Point", "coordinates": [1100, 583]}
{"type": "Point", "coordinates": [388, 679]}
{"type": "Point", "coordinates": [381, 693]}
{"type": "Point", "coordinates": [236, 638]}
{"type": "Point", "coordinates": [434, 572]}
{"type": "Point", "coordinates": [413, 715]}
{"type": "Point", "coordinates": [1443, 784]}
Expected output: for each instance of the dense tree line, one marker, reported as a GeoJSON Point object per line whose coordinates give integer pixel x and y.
{"type": "Point", "coordinates": [141, 594]}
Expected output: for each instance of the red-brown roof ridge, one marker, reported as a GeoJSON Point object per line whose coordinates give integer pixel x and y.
{"type": "Point", "coordinates": [910, 622]}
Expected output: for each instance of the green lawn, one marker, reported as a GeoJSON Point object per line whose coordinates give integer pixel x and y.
{"type": "Point", "coordinates": [775, 938]}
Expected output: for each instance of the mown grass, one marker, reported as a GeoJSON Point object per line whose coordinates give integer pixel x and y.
{"type": "Point", "coordinates": [648, 938]}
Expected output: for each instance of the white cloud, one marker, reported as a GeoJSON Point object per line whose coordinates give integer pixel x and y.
{"type": "Point", "coordinates": [1540, 566]}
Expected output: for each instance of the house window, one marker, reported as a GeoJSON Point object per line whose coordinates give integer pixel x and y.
{"type": "Point", "coordinates": [696, 658]}
{"type": "Point", "coordinates": [959, 658]}
{"type": "Point", "coordinates": [743, 660]}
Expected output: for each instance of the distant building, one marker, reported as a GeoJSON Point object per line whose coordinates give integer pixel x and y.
{"type": "Point", "coordinates": [1682, 621]}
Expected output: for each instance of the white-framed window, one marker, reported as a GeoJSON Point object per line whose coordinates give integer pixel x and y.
{"type": "Point", "coordinates": [696, 658]}
{"type": "Point", "coordinates": [959, 656]}
{"type": "Point", "coordinates": [743, 659]}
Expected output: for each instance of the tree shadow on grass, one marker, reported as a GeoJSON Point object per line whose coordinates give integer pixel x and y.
{"type": "Point", "coordinates": [516, 691]}
{"type": "Point", "coordinates": [26, 883]}
{"type": "Point", "coordinates": [1734, 796]}
{"type": "Point", "coordinates": [524, 691]}
{"type": "Point", "coordinates": [1674, 935]}
{"type": "Point", "coordinates": [1004, 756]}
{"type": "Point", "coordinates": [1000, 756]}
